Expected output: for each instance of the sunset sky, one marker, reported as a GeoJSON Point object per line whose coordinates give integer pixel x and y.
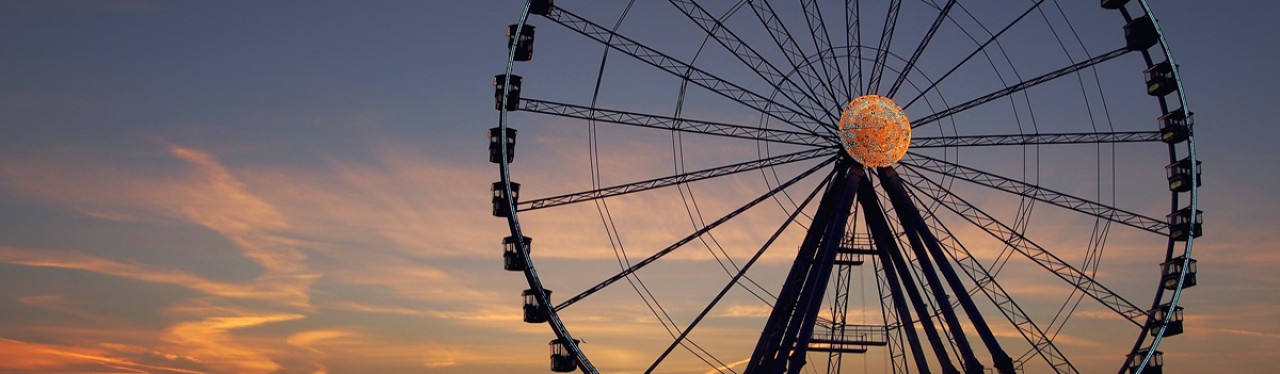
{"type": "Point", "coordinates": [254, 187]}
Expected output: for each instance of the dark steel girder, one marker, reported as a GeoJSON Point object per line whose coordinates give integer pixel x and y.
{"type": "Point", "coordinates": [928, 252]}
{"type": "Point", "coordinates": [1036, 139]}
{"type": "Point", "coordinates": [788, 88]}
{"type": "Point", "coordinates": [674, 123]}
{"type": "Point", "coordinates": [685, 71]}
{"type": "Point", "coordinates": [741, 273]}
{"type": "Point", "coordinates": [696, 234]}
{"type": "Point", "coordinates": [1031, 250]}
{"type": "Point", "coordinates": [898, 275]}
{"type": "Point", "coordinates": [673, 180]}
{"type": "Point", "coordinates": [1020, 86]}
{"type": "Point", "coordinates": [853, 38]}
{"type": "Point", "coordinates": [984, 282]}
{"type": "Point", "coordinates": [915, 56]}
{"type": "Point", "coordinates": [785, 337]}
{"type": "Point", "coordinates": [922, 162]}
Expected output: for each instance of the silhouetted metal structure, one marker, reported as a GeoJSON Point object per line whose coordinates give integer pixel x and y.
{"type": "Point", "coordinates": [940, 307]}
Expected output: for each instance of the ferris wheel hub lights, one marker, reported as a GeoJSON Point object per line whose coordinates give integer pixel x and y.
{"type": "Point", "coordinates": [874, 131]}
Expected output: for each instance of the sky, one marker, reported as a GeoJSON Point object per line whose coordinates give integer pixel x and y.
{"type": "Point", "coordinates": [255, 187]}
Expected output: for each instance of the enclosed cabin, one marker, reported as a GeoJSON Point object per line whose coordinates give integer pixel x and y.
{"type": "Point", "coordinates": [522, 43]}
{"type": "Point", "coordinates": [540, 7]}
{"type": "Point", "coordinates": [496, 144]}
{"type": "Point", "coordinates": [512, 93]}
{"type": "Point", "coordinates": [1180, 176]}
{"type": "Point", "coordinates": [1172, 269]}
{"type": "Point", "coordinates": [1154, 366]}
{"type": "Point", "coordinates": [500, 207]}
{"type": "Point", "coordinates": [534, 311]}
{"type": "Point", "coordinates": [1140, 34]}
{"type": "Point", "coordinates": [1114, 4]}
{"type": "Point", "coordinates": [1160, 80]}
{"type": "Point", "coordinates": [1157, 317]}
{"type": "Point", "coordinates": [1175, 127]}
{"type": "Point", "coordinates": [1184, 224]}
{"type": "Point", "coordinates": [562, 359]}
{"type": "Point", "coordinates": [512, 259]}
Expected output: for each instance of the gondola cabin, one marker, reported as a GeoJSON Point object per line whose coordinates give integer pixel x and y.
{"type": "Point", "coordinates": [1160, 80]}
{"type": "Point", "coordinates": [1114, 4]}
{"type": "Point", "coordinates": [523, 43]}
{"type": "Point", "coordinates": [1140, 34]}
{"type": "Point", "coordinates": [1184, 225]}
{"type": "Point", "coordinates": [512, 259]}
{"type": "Point", "coordinates": [1154, 366]}
{"type": "Point", "coordinates": [1172, 269]}
{"type": "Point", "coordinates": [1179, 175]}
{"type": "Point", "coordinates": [562, 360]}
{"type": "Point", "coordinates": [512, 95]}
{"type": "Point", "coordinates": [496, 145]}
{"type": "Point", "coordinates": [500, 207]}
{"type": "Point", "coordinates": [535, 312]}
{"type": "Point", "coordinates": [1175, 127]}
{"type": "Point", "coordinates": [1157, 317]}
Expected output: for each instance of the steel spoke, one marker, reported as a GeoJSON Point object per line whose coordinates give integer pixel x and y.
{"type": "Point", "coordinates": [673, 180]}
{"type": "Point", "coordinates": [691, 237]}
{"type": "Point", "coordinates": [853, 38]}
{"type": "Point", "coordinates": [986, 283]}
{"type": "Point", "coordinates": [674, 123]}
{"type": "Point", "coordinates": [882, 54]}
{"type": "Point", "coordinates": [1020, 86]}
{"type": "Point", "coordinates": [918, 161]}
{"type": "Point", "coordinates": [749, 56]}
{"type": "Point", "coordinates": [1031, 250]}
{"type": "Point", "coordinates": [826, 54]}
{"type": "Point", "coordinates": [1036, 139]}
{"type": "Point", "coordinates": [687, 72]}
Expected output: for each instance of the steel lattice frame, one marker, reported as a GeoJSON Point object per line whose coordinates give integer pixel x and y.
{"type": "Point", "coordinates": [916, 246]}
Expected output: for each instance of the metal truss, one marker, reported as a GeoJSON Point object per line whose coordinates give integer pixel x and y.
{"type": "Point", "coordinates": [1021, 86]}
{"type": "Point", "coordinates": [1036, 139]}
{"type": "Point", "coordinates": [685, 71]}
{"type": "Point", "coordinates": [674, 123]}
{"type": "Point", "coordinates": [673, 180]}
{"type": "Point", "coordinates": [918, 161]}
{"type": "Point", "coordinates": [1031, 250]}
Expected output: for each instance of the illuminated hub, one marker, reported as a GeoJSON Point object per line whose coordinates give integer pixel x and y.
{"type": "Point", "coordinates": [874, 131]}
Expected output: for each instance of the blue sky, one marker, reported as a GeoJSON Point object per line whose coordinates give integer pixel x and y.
{"type": "Point", "coordinates": [254, 187]}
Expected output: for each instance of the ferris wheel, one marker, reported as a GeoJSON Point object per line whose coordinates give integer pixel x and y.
{"type": "Point", "coordinates": [847, 186]}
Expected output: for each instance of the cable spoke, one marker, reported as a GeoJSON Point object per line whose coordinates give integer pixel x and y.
{"type": "Point", "coordinates": [741, 272]}
{"type": "Point", "coordinates": [794, 55]}
{"type": "Point", "coordinates": [974, 53]}
{"type": "Point", "coordinates": [1031, 250]}
{"type": "Point", "coordinates": [687, 72]}
{"type": "Point", "coordinates": [673, 123]}
{"type": "Point", "coordinates": [915, 56]}
{"type": "Point", "coordinates": [1036, 139]}
{"type": "Point", "coordinates": [915, 160]}
{"type": "Point", "coordinates": [638, 265]}
{"type": "Point", "coordinates": [766, 70]}
{"type": "Point", "coordinates": [882, 54]}
{"type": "Point", "coordinates": [672, 180]}
{"type": "Point", "coordinates": [986, 283]}
{"type": "Point", "coordinates": [1020, 86]}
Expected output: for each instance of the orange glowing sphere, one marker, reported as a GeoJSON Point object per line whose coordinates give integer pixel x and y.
{"type": "Point", "coordinates": [874, 131]}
